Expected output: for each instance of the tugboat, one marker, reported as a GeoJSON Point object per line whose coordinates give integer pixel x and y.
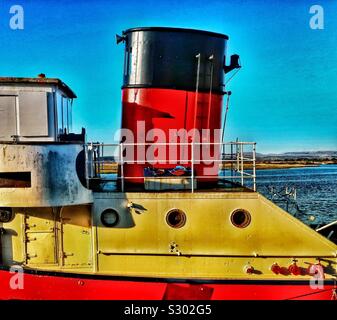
{"type": "Point", "coordinates": [83, 220]}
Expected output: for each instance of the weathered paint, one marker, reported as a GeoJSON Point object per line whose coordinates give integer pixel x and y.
{"type": "Point", "coordinates": [54, 181]}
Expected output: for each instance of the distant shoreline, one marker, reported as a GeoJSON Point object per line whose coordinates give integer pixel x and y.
{"type": "Point", "coordinates": [291, 164]}
{"type": "Point", "coordinates": [260, 165]}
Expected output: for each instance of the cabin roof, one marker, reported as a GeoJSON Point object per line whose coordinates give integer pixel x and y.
{"type": "Point", "coordinates": [47, 81]}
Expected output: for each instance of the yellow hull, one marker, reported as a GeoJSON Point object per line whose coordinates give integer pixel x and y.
{"type": "Point", "coordinates": [143, 244]}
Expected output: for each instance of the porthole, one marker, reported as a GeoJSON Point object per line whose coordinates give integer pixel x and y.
{"type": "Point", "coordinates": [6, 215]}
{"type": "Point", "coordinates": [110, 218]}
{"type": "Point", "coordinates": [240, 218]}
{"type": "Point", "coordinates": [176, 218]}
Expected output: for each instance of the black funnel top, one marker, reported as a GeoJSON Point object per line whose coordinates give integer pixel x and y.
{"type": "Point", "coordinates": [174, 58]}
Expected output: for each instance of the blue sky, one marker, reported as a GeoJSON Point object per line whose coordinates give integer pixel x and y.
{"type": "Point", "coordinates": [284, 97]}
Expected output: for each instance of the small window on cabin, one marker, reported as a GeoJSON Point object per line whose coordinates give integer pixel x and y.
{"type": "Point", "coordinates": [70, 115]}
{"type": "Point", "coordinates": [60, 124]}
{"type": "Point", "coordinates": [64, 114]}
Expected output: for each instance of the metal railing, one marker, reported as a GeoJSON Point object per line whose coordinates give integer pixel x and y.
{"type": "Point", "coordinates": [236, 161]}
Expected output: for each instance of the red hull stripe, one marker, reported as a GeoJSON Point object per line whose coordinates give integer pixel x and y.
{"type": "Point", "coordinates": [43, 285]}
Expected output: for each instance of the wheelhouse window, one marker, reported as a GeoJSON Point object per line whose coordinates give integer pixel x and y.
{"type": "Point", "coordinates": [64, 114]}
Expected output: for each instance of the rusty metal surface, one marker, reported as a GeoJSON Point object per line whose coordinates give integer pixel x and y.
{"type": "Point", "coordinates": [54, 180]}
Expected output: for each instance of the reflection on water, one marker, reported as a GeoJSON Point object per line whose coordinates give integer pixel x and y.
{"type": "Point", "coordinates": [316, 189]}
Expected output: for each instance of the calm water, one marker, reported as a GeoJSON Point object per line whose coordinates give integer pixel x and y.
{"type": "Point", "coordinates": [316, 189]}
